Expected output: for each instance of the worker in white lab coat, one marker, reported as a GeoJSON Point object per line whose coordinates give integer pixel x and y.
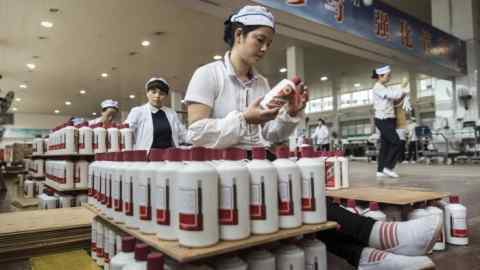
{"type": "Point", "coordinates": [155, 125]}
{"type": "Point", "coordinates": [109, 112]}
{"type": "Point", "coordinates": [383, 103]}
{"type": "Point", "coordinates": [321, 136]}
{"type": "Point", "coordinates": [224, 96]}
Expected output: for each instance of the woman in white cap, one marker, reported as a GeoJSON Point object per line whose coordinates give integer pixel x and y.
{"type": "Point", "coordinates": [223, 109]}
{"type": "Point", "coordinates": [154, 124]}
{"type": "Point", "coordinates": [109, 110]}
{"type": "Point", "coordinates": [383, 103]}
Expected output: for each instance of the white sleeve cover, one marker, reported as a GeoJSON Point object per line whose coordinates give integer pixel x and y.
{"type": "Point", "coordinates": [218, 133]}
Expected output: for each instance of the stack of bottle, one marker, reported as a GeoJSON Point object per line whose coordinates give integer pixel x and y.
{"type": "Point", "coordinates": [67, 174]}
{"type": "Point", "coordinates": [38, 146]}
{"type": "Point", "coordinates": [83, 139]}
{"type": "Point", "coordinates": [114, 250]}
{"type": "Point", "coordinates": [198, 196]}
{"type": "Point", "coordinates": [49, 199]}
{"type": "Point", "coordinates": [37, 168]}
{"type": "Point", "coordinates": [63, 140]}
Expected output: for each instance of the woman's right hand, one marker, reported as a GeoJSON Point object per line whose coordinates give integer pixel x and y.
{"type": "Point", "coordinates": [255, 114]}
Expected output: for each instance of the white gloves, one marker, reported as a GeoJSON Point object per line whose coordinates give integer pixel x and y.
{"type": "Point", "coordinates": [407, 105]}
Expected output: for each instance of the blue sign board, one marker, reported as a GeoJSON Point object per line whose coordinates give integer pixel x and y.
{"type": "Point", "coordinates": [381, 24]}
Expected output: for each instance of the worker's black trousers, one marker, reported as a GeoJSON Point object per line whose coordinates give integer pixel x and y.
{"type": "Point", "coordinates": [351, 236]}
{"type": "Point", "coordinates": [390, 144]}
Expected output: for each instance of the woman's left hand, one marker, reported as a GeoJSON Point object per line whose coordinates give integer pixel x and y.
{"type": "Point", "coordinates": [299, 103]}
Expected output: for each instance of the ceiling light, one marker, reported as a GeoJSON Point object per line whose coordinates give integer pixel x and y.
{"type": "Point", "coordinates": [357, 85]}
{"type": "Point", "coordinates": [56, 111]}
{"type": "Point", "coordinates": [68, 103]}
{"type": "Point", "coordinates": [94, 113]}
{"type": "Point", "coordinates": [131, 96]}
{"type": "Point", "coordinates": [324, 78]}
{"type": "Point", "coordinates": [104, 75]}
{"type": "Point", "coordinates": [145, 43]}
{"type": "Point", "coordinates": [217, 57]}
{"type": "Point", "coordinates": [83, 92]}
{"type": "Point", "coordinates": [14, 109]}
{"type": "Point", "coordinates": [47, 24]}
{"type": "Point", "coordinates": [283, 70]}
{"type": "Point", "coordinates": [31, 66]}
{"type": "Point", "coordinates": [23, 86]}
{"type": "Point", "coordinates": [18, 99]}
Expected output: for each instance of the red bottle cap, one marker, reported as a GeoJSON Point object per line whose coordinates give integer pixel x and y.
{"type": "Point", "coordinates": [139, 155]}
{"type": "Point", "coordinates": [128, 155]}
{"type": "Point", "coordinates": [155, 261]}
{"type": "Point", "coordinates": [282, 152]}
{"type": "Point", "coordinates": [373, 206]}
{"type": "Point", "coordinates": [199, 154]}
{"type": "Point", "coordinates": [234, 154]}
{"type": "Point", "coordinates": [173, 154]}
{"type": "Point", "coordinates": [454, 199]}
{"type": "Point", "coordinates": [217, 154]}
{"type": "Point", "coordinates": [119, 156]}
{"type": "Point", "coordinates": [186, 154]}
{"type": "Point", "coordinates": [126, 125]}
{"type": "Point", "coordinates": [307, 152]}
{"type": "Point", "coordinates": [351, 203]}
{"type": "Point", "coordinates": [296, 80]}
{"type": "Point", "coordinates": [157, 154]}
{"type": "Point", "coordinates": [141, 252]}
{"type": "Point", "coordinates": [99, 157]}
{"type": "Point", "coordinates": [259, 153]}
{"type": "Point", "coordinates": [128, 244]}
{"type": "Point", "coordinates": [208, 154]}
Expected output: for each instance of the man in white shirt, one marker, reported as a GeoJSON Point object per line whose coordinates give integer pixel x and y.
{"type": "Point", "coordinates": [321, 136]}
{"type": "Point", "coordinates": [383, 99]}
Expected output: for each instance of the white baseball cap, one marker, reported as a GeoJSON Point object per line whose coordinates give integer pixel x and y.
{"type": "Point", "coordinates": [383, 70]}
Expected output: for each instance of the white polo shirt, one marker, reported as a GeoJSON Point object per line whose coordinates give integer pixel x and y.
{"type": "Point", "coordinates": [217, 86]}
{"type": "Point", "coordinates": [383, 98]}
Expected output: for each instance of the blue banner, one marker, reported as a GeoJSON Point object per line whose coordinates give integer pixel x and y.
{"type": "Point", "coordinates": [381, 24]}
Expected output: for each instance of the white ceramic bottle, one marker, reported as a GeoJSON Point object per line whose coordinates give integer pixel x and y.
{"type": "Point", "coordinates": [196, 196]}
{"type": "Point", "coordinates": [126, 256]}
{"type": "Point", "coordinates": [234, 212]}
{"type": "Point", "coordinates": [260, 260]}
{"type": "Point", "coordinates": [163, 202]}
{"type": "Point", "coordinates": [456, 222]}
{"type": "Point", "coordinates": [85, 140]}
{"type": "Point", "coordinates": [315, 254]}
{"type": "Point", "coordinates": [290, 257]}
{"type": "Point", "coordinates": [313, 188]}
{"type": "Point", "coordinates": [263, 193]}
{"type": "Point", "coordinates": [289, 190]}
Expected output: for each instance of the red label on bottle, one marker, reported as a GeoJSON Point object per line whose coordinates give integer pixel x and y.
{"type": "Point", "coordinates": [458, 227]}
{"type": "Point", "coordinates": [228, 216]}
{"type": "Point", "coordinates": [308, 195]}
{"type": "Point", "coordinates": [191, 222]}
{"type": "Point", "coordinates": [285, 202]}
{"type": "Point", "coordinates": [163, 217]}
{"type": "Point", "coordinates": [145, 212]}
{"type": "Point", "coordinates": [329, 175]}
{"type": "Point", "coordinates": [258, 210]}
{"type": "Point", "coordinates": [228, 213]}
{"type": "Point", "coordinates": [117, 204]}
{"type": "Point", "coordinates": [128, 208]}
{"type": "Point", "coordinates": [190, 211]}
{"type": "Point", "coordinates": [100, 252]}
{"type": "Point", "coordinates": [93, 247]}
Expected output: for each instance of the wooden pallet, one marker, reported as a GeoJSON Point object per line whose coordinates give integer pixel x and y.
{"type": "Point", "coordinates": [25, 233]}
{"type": "Point", "coordinates": [395, 195]}
{"type": "Point", "coordinates": [184, 254]}
{"type": "Point", "coordinates": [21, 202]}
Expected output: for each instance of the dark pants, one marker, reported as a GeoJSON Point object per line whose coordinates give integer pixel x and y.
{"type": "Point", "coordinates": [390, 144]}
{"type": "Point", "coordinates": [401, 154]}
{"type": "Point", "coordinates": [412, 151]}
{"type": "Point", "coordinates": [352, 236]}
{"type": "Point", "coordinates": [324, 147]}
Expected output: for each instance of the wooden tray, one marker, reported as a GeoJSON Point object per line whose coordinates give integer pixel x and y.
{"type": "Point", "coordinates": [184, 254]}
{"type": "Point", "coordinates": [396, 196]}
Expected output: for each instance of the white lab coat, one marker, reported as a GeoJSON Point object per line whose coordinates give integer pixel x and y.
{"type": "Point", "coordinates": [140, 120]}
{"type": "Point", "coordinates": [321, 135]}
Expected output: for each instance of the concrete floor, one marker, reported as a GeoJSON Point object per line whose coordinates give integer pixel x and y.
{"type": "Point", "coordinates": [463, 180]}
